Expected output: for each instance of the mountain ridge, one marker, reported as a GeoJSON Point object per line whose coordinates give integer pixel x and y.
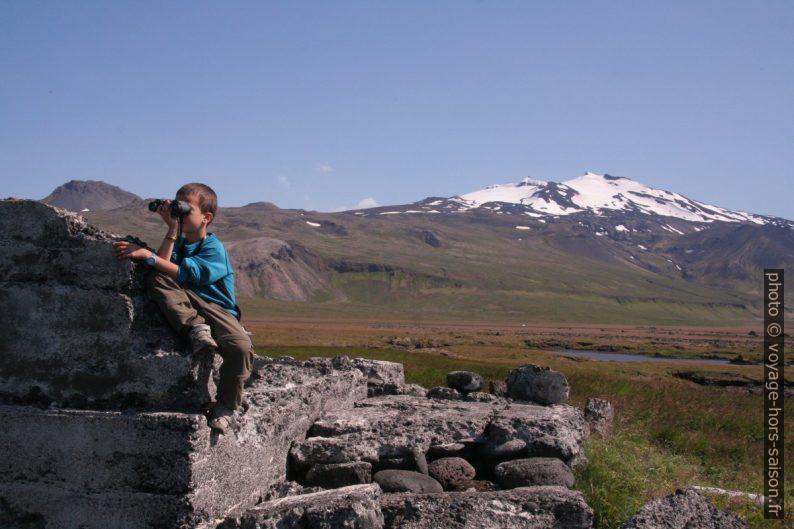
{"type": "Point", "coordinates": [612, 265]}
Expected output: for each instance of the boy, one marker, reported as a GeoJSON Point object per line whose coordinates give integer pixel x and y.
{"type": "Point", "coordinates": [193, 283]}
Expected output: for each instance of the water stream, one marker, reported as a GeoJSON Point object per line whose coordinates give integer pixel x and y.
{"type": "Point", "coordinates": [626, 357]}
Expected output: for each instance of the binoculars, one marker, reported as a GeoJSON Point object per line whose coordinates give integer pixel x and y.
{"type": "Point", "coordinates": [179, 208]}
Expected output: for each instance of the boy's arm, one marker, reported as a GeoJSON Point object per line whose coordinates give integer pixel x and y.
{"type": "Point", "coordinates": [128, 250]}
{"type": "Point", "coordinates": [163, 261]}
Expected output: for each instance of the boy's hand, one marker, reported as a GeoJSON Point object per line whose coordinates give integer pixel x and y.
{"type": "Point", "coordinates": [128, 250]}
{"type": "Point", "coordinates": [165, 214]}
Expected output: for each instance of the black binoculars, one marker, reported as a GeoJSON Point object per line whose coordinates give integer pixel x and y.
{"type": "Point", "coordinates": [179, 208]}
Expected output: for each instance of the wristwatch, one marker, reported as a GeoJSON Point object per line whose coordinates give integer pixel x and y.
{"type": "Point", "coordinates": [151, 259]}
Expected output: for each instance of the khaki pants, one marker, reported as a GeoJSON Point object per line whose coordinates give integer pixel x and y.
{"type": "Point", "coordinates": [183, 309]}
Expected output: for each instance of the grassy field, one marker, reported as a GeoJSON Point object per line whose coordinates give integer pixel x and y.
{"type": "Point", "coordinates": [668, 433]}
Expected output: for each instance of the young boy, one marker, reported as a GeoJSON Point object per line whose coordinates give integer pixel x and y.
{"type": "Point", "coordinates": [193, 283]}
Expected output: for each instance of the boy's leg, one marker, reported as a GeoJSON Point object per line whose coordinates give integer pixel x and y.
{"type": "Point", "coordinates": [234, 346]}
{"type": "Point", "coordinates": [176, 306]}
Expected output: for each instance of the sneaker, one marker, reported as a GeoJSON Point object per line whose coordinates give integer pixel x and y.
{"type": "Point", "coordinates": [220, 418]}
{"type": "Point", "coordinates": [201, 338]}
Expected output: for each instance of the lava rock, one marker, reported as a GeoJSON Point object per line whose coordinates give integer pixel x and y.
{"type": "Point", "coordinates": [537, 384]}
{"type": "Point", "coordinates": [451, 471]}
{"type": "Point", "coordinates": [406, 481]}
{"type": "Point", "coordinates": [533, 471]}
{"type": "Point", "coordinates": [684, 509]}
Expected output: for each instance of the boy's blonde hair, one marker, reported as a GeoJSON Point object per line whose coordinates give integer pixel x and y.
{"type": "Point", "coordinates": [207, 199]}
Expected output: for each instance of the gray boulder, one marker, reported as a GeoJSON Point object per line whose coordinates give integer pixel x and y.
{"type": "Point", "coordinates": [533, 471]}
{"type": "Point", "coordinates": [464, 381]}
{"type": "Point", "coordinates": [522, 508]}
{"type": "Point", "coordinates": [451, 471]}
{"type": "Point", "coordinates": [685, 509]}
{"type": "Point", "coordinates": [354, 507]}
{"type": "Point", "coordinates": [338, 475]}
{"type": "Point", "coordinates": [537, 384]}
{"type": "Point", "coordinates": [406, 481]}
{"type": "Point", "coordinates": [599, 414]}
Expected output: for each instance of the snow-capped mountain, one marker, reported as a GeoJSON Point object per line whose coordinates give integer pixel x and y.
{"type": "Point", "coordinates": [590, 193]}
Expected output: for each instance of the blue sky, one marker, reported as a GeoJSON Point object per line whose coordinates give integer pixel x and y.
{"type": "Point", "coordinates": [321, 105]}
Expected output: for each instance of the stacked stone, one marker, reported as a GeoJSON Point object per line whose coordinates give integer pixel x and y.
{"type": "Point", "coordinates": [446, 456]}
{"type": "Point", "coordinates": [102, 405]}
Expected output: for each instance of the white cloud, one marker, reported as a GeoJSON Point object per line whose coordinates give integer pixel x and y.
{"type": "Point", "coordinates": [323, 167]}
{"type": "Point", "coordinates": [366, 203]}
{"type": "Point", "coordinates": [283, 180]}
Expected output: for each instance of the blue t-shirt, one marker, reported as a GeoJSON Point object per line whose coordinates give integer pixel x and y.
{"type": "Point", "coordinates": [205, 269]}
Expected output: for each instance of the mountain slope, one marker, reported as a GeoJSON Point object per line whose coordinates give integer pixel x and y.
{"type": "Point", "coordinates": [592, 265]}
{"type": "Point", "coordinates": [92, 195]}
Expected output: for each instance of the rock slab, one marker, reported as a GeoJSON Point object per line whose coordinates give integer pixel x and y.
{"type": "Point", "coordinates": [354, 507]}
{"type": "Point", "coordinates": [684, 509]}
{"type": "Point", "coordinates": [160, 469]}
{"type": "Point", "coordinates": [523, 508]}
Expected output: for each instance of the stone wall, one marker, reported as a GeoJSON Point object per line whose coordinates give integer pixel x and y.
{"type": "Point", "coordinates": [101, 402]}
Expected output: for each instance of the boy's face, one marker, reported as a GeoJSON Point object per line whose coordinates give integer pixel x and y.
{"type": "Point", "coordinates": [195, 222]}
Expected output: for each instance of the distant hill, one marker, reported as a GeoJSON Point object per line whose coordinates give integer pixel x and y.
{"type": "Point", "coordinates": [91, 195]}
{"type": "Point", "coordinates": [597, 249]}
